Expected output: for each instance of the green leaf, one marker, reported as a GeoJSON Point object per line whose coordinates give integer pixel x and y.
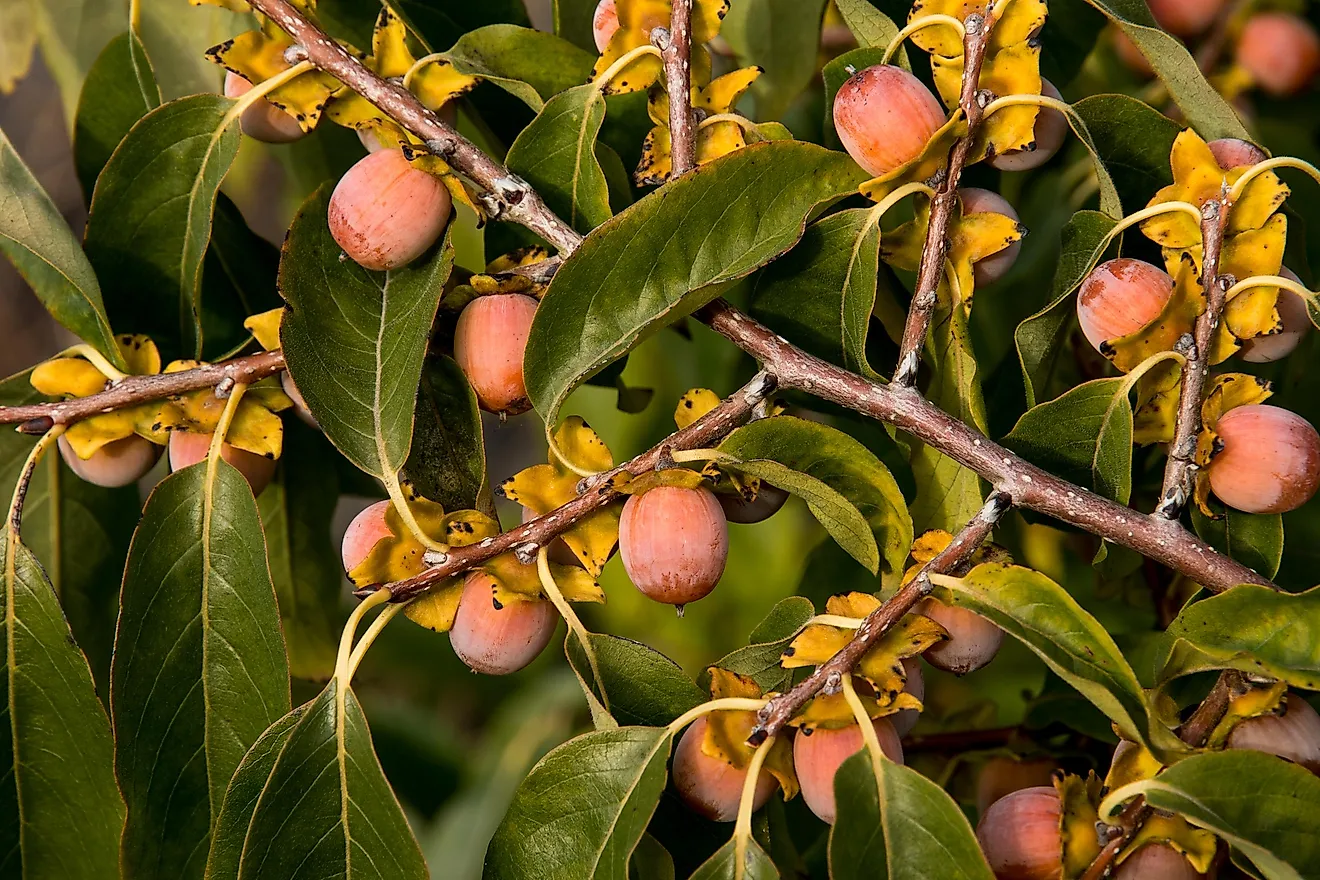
{"type": "Point", "coordinates": [35, 238]}
{"type": "Point", "coordinates": [1085, 435]}
{"type": "Point", "coordinates": [531, 65]}
{"type": "Point", "coordinates": [651, 861]}
{"type": "Point", "coordinates": [913, 832]}
{"type": "Point", "coordinates": [297, 512]}
{"type": "Point", "coordinates": [447, 463]}
{"type": "Point", "coordinates": [1132, 140]}
{"type": "Point", "coordinates": [199, 667]}
{"type": "Point", "coordinates": [150, 220]}
{"type": "Point", "coordinates": [1040, 337]}
{"type": "Point", "coordinates": [712, 226]}
{"type": "Point", "coordinates": [759, 659]}
{"type": "Point", "coordinates": [581, 811]}
{"type": "Point", "coordinates": [238, 279]}
{"type": "Point", "coordinates": [1265, 807]}
{"type": "Point", "coordinates": [573, 22]}
{"type": "Point", "coordinates": [641, 686]}
{"type": "Point", "coordinates": [1251, 628]}
{"type": "Point", "coordinates": [355, 340]}
{"type": "Point", "coordinates": [231, 826]}
{"type": "Point", "coordinates": [56, 754]}
{"type": "Point", "coordinates": [782, 37]}
{"type": "Point", "coordinates": [1040, 613]}
{"type": "Point", "coordinates": [821, 293]}
{"type": "Point", "coordinates": [843, 464]}
{"type": "Point", "coordinates": [948, 494]}
{"type": "Point", "coordinates": [556, 154]}
{"type": "Point", "coordinates": [871, 27]}
{"type": "Point", "coordinates": [119, 90]}
{"type": "Point", "coordinates": [1254, 539]}
{"type": "Point", "coordinates": [1203, 107]}
{"type": "Point", "coordinates": [326, 809]}
{"type": "Point", "coordinates": [756, 865]}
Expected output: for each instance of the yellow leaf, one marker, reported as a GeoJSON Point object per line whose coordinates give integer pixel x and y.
{"type": "Point", "coordinates": [972, 238]}
{"type": "Point", "coordinates": [929, 544]}
{"type": "Point", "coordinates": [436, 610]}
{"type": "Point", "coordinates": [1253, 703]}
{"type": "Point", "coordinates": [1077, 823]}
{"type": "Point", "coordinates": [706, 18]}
{"type": "Point", "coordinates": [932, 159]}
{"type": "Point", "coordinates": [1158, 391]}
{"type": "Point", "coordinates": [231, 5]}
{"type": "Point", "coordinates": [140, 354]}
{"type": "Point", "coordinates": [515, 581]}
{"type": "Point", "coordinates": [657, 160]}
{"type": "Point", "coordinates": [1015, 70]}
{"type": "Point", "coordinates": [399, 556]}
{"type": "Point", "coordinates": [1132, 763]}
{"type": "Point", "coordinates": [722, 94]}
{"type": "Point", "coordinates": [523, 256]}
{"type": "Point", "coordinates": [266, 328]}
{"type": "Point", "coordinates": [89, 435]}
{"type": "Point", "coordinates": [1253, 312]}
{"type": "Point", "coordinates": [440, 82]}
{"type": "Point", "coordinates": [1263, 196]}
{"type": "Point", "coordinates": [258, 55]}
{"type": "Point", "coordinates": [1196, 844]}
{"type": "Point", "coordinates": [389, 46]}
{"type": "Point", "coordinates": [724, 683]}
{"type": "Point", "coordinates": [693, 405]}
{"type": "Point", "coordinates": [68, 377]}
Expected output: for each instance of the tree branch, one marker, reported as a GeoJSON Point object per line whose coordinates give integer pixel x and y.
{"type": "Point", "coordinates": [776, 713]}
{"type": "Point", "coordinates": [931, 269]}
{"type": "Point", "coordinates": [677, 55]}
{"type": "Point", "coordinates": [37, 418]}
{"type": "Point", "coordinates": [1180, 468]}
{"type": "Point", "coordinates": [594, 493]}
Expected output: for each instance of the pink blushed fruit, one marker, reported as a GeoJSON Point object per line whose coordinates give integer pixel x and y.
{"type": "Point", "coordinates": [1156, 861]}
{"type": "Point", "coordinates": [1185, 18]}
{"type": "Point", "coordinates": [1120, 297]}
{"type": "Point", "coordinates": [115, 464]}
{"type": "Point", "coordinates": [604, 22]}
{"type": "Point", "coordinates": [1051, 131]}
{"type": "Point", "coordinates": [1020, 836]}
{"type": "Point", "coordinates": [363, 533]}
{"type": "Point", "coordinates": [1269, 461]}
{"type": "Point", "coordinates": [818, 754]}
{"type": "Point", "coordinates": [1233, 153]}
{"type": "Point", "coordinates": [907, 719]}
{"type": "Point", "coordinates": [263, 121]}
{"type": "Point", "coordinates": [973, 641]}
{"type": "Point", "coordinates": [710, 786]}
{"type": "Point", "coordinates": [1294, 735]}
{"type": "Point", "coordinates": [884, 116]}
{"type": "Point", "coordinates": [489, 342]}
{"type": "Point", "coordinates": [1280, 51]}
{"type": "Point", "coordinates": [983, 201]}
{"type": "Point", "coordinates": [495, 638]}
{"type": "Point", "coordinates": [187, 448]}
{"type": "Point", "coordinates": [1001, 777]}
{"type": "Point", "coordinates": [1295, 321]}
{"type": "Point", "coordinates": [385, 213]}
{"type": "Point", "coordinates": [674, 543]}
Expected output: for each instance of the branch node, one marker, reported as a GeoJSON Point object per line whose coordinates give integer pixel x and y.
{"type": "Point", "coordinates": [435, 557]}
{"type": "Point", "coordinates": [973, 23]}
{"type": "Point", "coordinates": [1210, 210]}
{"type": "Point", "coordinates": [906, 374]}
{"type": "Point", "coordinates": [660, 38]}
{"type": "Point", "coordinates": [526, 553]}
{"type": "Point", "coordinates": [442, 147]}
{"type": "Point", "coordinates": [225, 388]}
{"type": "Point", "coordinates": [295, 54]}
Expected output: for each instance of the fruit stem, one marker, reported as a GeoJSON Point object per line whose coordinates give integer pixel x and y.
{"type": "Point", "coordinates": [134, 16]}
{"type": "Point", "coordinates": [400, 502]}
{"type": "Point", "coordinates": [835, 620]}
{"type": "Point", "coordinates": [566, 611]}
{"type": "Point", "coordinates": [96, 359]}
{"type": "Point", "coordinates": [689, 455]}
{"type": "Point", "coordinates": [360, 649]}
{"type": "Point", "coordinates": [222, 428]}
{"type": "Point", "coordinates": [918, 25]}
{"type": "Point", "coordinates": [602, 82]}
{"type": "Point", "coordinates": [1268, 165]}
{"type": "Point", "coordinates": [418, 65]}
{"type": "Point", "coordinates": [742, 826]}
{"type": "Point", "coordinates": [868, 729]}
{"type": "Point", "coordinates": [741, 121]}
{"type": "Point", "coordinates": [723, 704]}
{"type": "Point", "coordinates": [1311, 298]}
{"type": "Point", "coordinates": [1032, 101]}
{"type": "Point", "coordinates": [264, 88]}
{"type": "Point", "coordinates": [343, 660]}
{"type": "Point", "coordinates": [15, 518]}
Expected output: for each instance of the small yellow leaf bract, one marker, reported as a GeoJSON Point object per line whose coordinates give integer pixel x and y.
{"type": "Point", "coordinates": [727, 731]}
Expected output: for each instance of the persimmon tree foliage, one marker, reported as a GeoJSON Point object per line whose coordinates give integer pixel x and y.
{"type": "Point", "coordinates": [841, 192]}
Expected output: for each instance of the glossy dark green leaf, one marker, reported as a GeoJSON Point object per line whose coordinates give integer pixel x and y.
{"type": "Point", "coordinates": [581, 811]}
{"type": "Point", "coordinates": [1251, 628]}
{"type": "Point", "coordinates": [1204, 108]}
{"type": "Point", "coordinates": [1266, 808]}
{"type": "Point", "coordinates": [573, 22]}
{"type": "Point", "coordinates": [447, 462]}
{"type": "Point", "coordinates": [438, 25]}
{"type": "Point", "coordinates": [297, 513]}
{"type": "Point", "coordinates": [35, 238]}
{"type": "Point", "coordinates": [119, 90]}
{"type": "Point", "coordinates": [326, 809]}
{"type": "Point", "coordinates": [1132, 140]}
{"type": "Point", "coordinates": [843, 464]}
{"type": "Point", "coordinates": [531, 65]}
{"type": "Point", "coordinates": [56, 754]}
{"type": "Point", "coordinates": [948, 494]}
{"type": "Point", "coordinates": [150, 220]}
{"type": "Point", "coordinates": [782, 37]}
{"type": "Point", "coordinates": [714, 225]}
{"type": "Point", "coordinates": [871, 27]}
{"type": "Point", "coordinates": [756, 865]}
{"type": "Point", "coordinates": [821, 293]}
{"type": "Point", "coordinates": [1043, 616]}
{"type": "Point", "coordinates": [231, 826]}
{"type": "Point", "coordinates": [238, 279]}
{"type": "Point", "coordinates": [914, 832]}
{"type": "Point", "coordinates": [640, 685]}
{"type": "Point", "coordinates": [1040, 337]}
{"type": "Point", "coordinates": [355, 340]}
{"type": "Point", "coordinates": [1254, 539]}
{"type": "Point", "coordinates": [556, 154]}
{"type": "Point", "coordinates": [199, 667]}
{"type": "Point", "coordinates": [760, 657]}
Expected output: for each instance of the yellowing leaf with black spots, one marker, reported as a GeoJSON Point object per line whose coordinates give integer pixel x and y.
{"type": "Point", "coordinates": [1079, 799]}
{"type": "Point", "coordinates": [933, 542]}
{"type": "Point", "coordinates": [1197, 845]}
{"type": "Point", "coordinates": [1252, 312]}
{"type": "Point", "coordinates": [1013, 71]}
{"type": "Point", "coordinates": [726, 732]}
{"type": "Point", "coordinates": [715, 138]}
{"type": "Point", "coordinates": [1131, 763]}
{"type": "Point", "coordinates": [258, 55]}
{"type": "Point", "coordinates": [1158, 391]}
{"type": "Point", "coordinates": [265, 328]}
{"type": "Point", "coordinates": [693, 405]}
{"type": "Point", "coordinates": [932, 159]}
{"type": "Point", "coordinates": [514, 581]}
{"type": "Point", "coordinates": [1255, 701]}
{"type": "Point", "coordinates": [1013, 22]}
{"type": "Point", "coordinates": [399, 556]}
{"type": "Point", "coordinates": [544, 487]}
{"type": "Point", "coordinates": [255, 427]}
